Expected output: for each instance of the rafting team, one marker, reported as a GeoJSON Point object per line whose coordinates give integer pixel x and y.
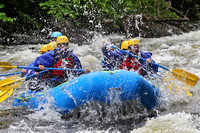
{"type": "Point", "coordinates": [57, 54]}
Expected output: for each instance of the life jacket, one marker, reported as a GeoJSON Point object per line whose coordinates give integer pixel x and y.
{"type": "Point", "coordinates": [62, 60]}
{"type": "Point", "coordinates": [131, 64]}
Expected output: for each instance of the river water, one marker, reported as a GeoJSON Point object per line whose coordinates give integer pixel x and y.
{"type": "Point", "coordinates": [176, 112]}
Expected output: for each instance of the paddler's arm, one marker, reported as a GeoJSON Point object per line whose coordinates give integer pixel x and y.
{"type": "Point", "coordinates": [148, 63]}
{"type": "Point", "coordinates": [42, 67]}
{"type": "Point", "coordinates": [43, 61]}
{"type": "Point", "coordinates": [152, 67]}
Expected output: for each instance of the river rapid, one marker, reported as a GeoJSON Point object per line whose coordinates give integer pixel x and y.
{"type": "Point", "coordinates": [176, 112]}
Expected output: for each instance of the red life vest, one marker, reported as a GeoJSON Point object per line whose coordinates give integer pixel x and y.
{"type": "Point", "coordinates": [63, 63]}
{"type": "Point", "coordinates": [130, 64]}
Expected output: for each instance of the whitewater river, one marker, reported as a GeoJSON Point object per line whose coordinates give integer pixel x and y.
{"type": "Point", "coordinates": [176, 112]}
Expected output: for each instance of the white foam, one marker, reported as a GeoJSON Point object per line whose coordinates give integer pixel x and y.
{"type": "Point", "coordinates": [171, 123]}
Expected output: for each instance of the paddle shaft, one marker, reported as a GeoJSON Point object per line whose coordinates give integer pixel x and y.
{"type": "Point", "coordinates": [46, 68]}
{"type": "Point", "coordinates": [30, 76]}
{"type": "Point", "coordinates": [10, 74]}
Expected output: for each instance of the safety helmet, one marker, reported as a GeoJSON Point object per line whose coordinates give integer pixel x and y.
{"type": "Point", "coordinates": [51, 46]}
{"type": "Point", "coordinates": [43, 49]}
{"type": "Point", "coordinates": [133, 41]}
{"type": "Point", "coordinates": [62, 39]}
{"type": "Point", "coordinates": [124, 45]}
{"type": "Point", "coordinates": [56, 34]}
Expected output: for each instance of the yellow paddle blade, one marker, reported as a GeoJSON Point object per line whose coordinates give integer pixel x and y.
{"type": "Point", "coordinates": [182, 75]}
{"type": "Point", "coordinates": [5, 66]}
{"type": "Point", "coordinates": [2, 82]}
{"type": "Point", "coordinates": [11, 82]}
{"type": "Point", "coordinates": [5, 94]}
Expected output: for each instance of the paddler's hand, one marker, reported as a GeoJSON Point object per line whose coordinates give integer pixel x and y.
{"type": "Point", "coordinates": [41, 67]}
{"type": "Point", "coordinates": [87, 70]}
{"type": "Point", "coordinates": [111, 48]}
{"type": "Point", "coordinates": [29, 71]}
{"type": "Point", "coordinates": [37, 73]}
{"type": "Point", "coordinates": [24, 71]}
{"type": "Point", "coordinates": [149, 61]}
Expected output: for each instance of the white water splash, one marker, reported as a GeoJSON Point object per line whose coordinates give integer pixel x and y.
{"type": "Point", "coordinates": [138, 21]}
{"type": "Point", "coordinates": [181, 51]}
{"type": "Point", "coordinates": [170, 123]}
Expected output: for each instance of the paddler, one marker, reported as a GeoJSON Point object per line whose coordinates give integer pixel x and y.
{"type": "Point", "coordinates": [61, 57]}
{"type": "Point", "coordinates": [45, 48]}
{"type": "Point", "coordinates": [129, 62]}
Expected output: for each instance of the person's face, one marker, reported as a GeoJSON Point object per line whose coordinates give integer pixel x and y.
{"type": "Point", "coordinates": [135, 49]}
{"type": "Point", "coordinates": [62, 45]}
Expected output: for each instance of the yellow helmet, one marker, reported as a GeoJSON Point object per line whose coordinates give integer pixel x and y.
{"type": "Point", "coordinates": [124, 45]}
{"type": "Point", "coordinates": [133, 41]}
{"type": "Point", "coordinates": [62, 39]}
{"type": "Point", "coordinates": [51, 46]}
{"type": "Point", "coordinates": [43, 49]}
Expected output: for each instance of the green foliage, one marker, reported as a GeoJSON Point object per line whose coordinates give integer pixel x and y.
{"type": "Point", "coordinates": [1, 6]}
{"type": "Point", "coordinates": [3, 16]}
{"type": "Point", "coordinates": [94, 11]}
{"type": "Point", "coordinates": [61, 8]}
{"type": "Point", "coordinates": [30, 19]}
{"type": "Point", "coordinates": [197, 7]}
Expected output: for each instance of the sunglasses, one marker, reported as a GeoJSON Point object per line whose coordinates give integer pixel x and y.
{"type": "Point", "coordinates": [135, 46]}
{"type": "Point", "coordinates": [62, 44]}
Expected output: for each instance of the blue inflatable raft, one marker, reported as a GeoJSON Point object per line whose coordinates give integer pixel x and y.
{"type": "Point", "coordinates": [94, 86]}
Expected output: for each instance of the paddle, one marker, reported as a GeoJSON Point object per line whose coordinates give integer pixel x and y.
{"type": "Point", "coordinates": [7, 66]}
{"type": "Point", "coordinates": [11, 82]}
{"type": "Point", "coordinates": [4, 95]}
{"type": "Point", "coordinates": [7, 85]}
{"type": "Point", "coordinates": [182, 75]}
{"type": "Point", "coordinates": [10, 74]}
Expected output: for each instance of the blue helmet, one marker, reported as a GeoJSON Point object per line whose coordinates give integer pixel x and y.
{"type": "Point", "coordinates": [56, 34]}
